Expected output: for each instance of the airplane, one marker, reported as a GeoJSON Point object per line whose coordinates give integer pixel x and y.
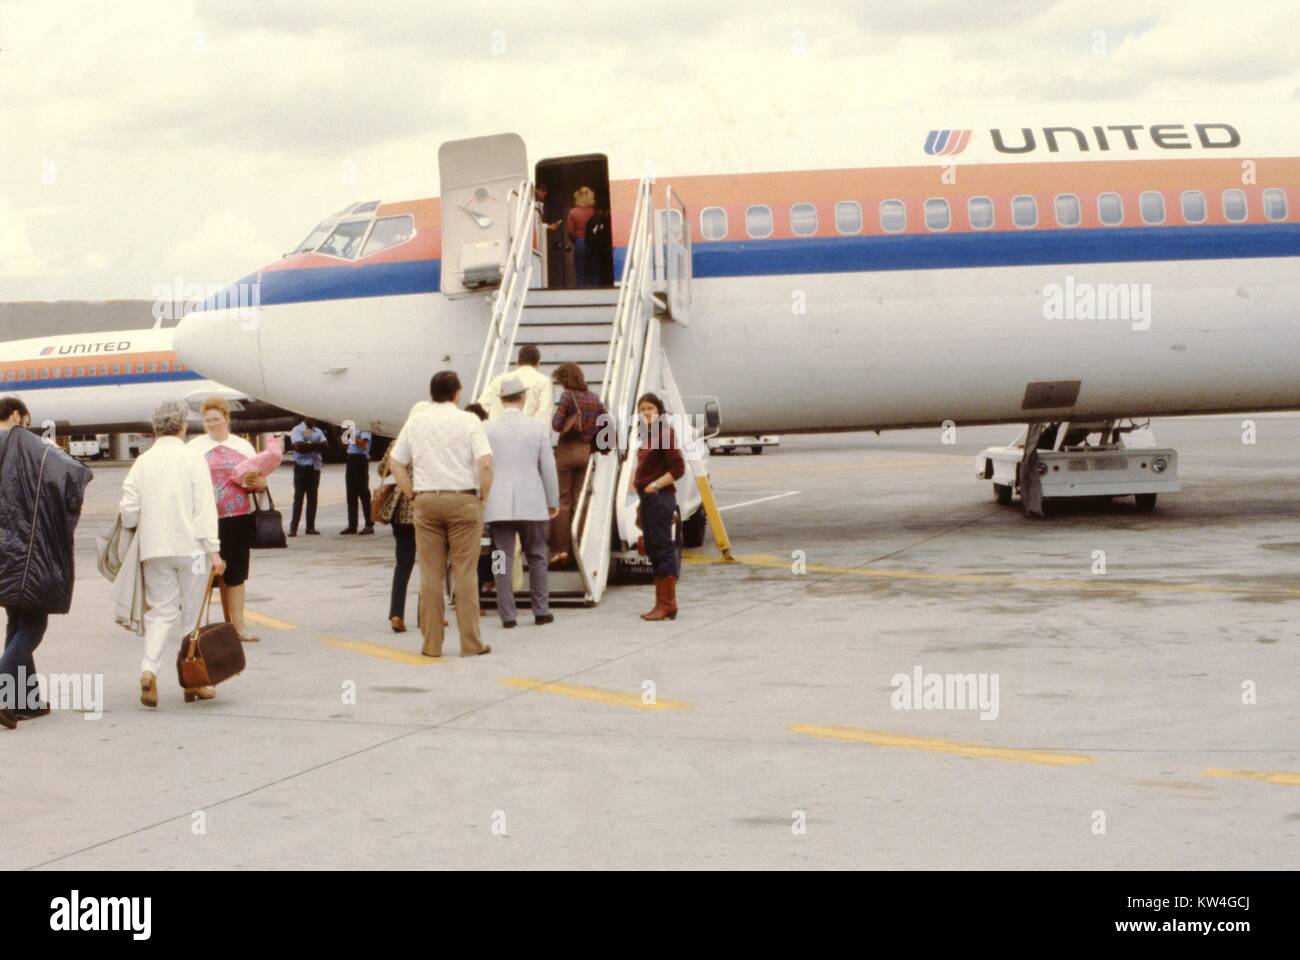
{"type": "Point", "coordinates": [1047, 264]}
{"type": "Point", "coordinates": [91, 383]}
{"type": "Point", "coordinates": [851, 297]}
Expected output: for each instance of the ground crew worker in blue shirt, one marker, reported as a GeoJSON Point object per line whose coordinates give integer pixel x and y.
{"type": "Point", "coordinates": [308, 444]}
{"type": "Point", "coordinates": [358, 482]}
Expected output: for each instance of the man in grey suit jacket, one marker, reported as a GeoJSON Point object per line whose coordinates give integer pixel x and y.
{"type": "Point", "coordinates": [525, 494]}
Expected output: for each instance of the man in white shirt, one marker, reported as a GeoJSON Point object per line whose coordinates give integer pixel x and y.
{"type": "Point", "coordinates": [539, 392]}
{"type": "Point", "coordinates": [442, 463]}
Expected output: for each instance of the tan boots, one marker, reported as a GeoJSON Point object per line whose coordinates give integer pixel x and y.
{"type": "Point", "coordinates": [665, 607]}
{"type": "Point", "coordinates": [148, 689]}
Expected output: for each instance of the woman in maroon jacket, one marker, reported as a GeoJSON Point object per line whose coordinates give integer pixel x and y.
{"type": "Point", "coordinates": [659, 463]}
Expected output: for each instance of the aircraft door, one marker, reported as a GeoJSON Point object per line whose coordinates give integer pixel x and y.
{"type": "Point", "coordinates": [478, 176]}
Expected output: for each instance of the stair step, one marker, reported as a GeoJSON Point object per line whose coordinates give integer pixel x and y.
{"type": "Point", "coordinates": [573, 352]}
{"type": "Point", "coordinates": [594, 296]}
{"type": "Point", "coordinates": [545, 334]}
{"type": "Point", "coordinates": [567, 314]}
{"type": "Point", "coordinates": [565, 586]}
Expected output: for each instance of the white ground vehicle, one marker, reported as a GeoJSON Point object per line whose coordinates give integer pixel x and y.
{"type": "Point", "coordinates": [1107, 459]}
{"type": "Point", "coordinates": [732, 444]}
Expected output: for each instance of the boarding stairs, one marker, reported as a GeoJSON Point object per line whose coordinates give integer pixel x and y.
{"type": "Point", "coordinates": [614, 336]}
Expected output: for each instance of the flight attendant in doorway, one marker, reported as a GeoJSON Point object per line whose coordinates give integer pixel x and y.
{"type": "Point", "coordinates": [575, 228]}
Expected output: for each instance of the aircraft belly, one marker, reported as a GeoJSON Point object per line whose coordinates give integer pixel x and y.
{"type": "Point", "coordinates": [857, 350]}
{"type": "Point", "coordinates": [823, 351]}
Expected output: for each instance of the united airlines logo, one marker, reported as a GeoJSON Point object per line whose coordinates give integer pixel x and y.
{"type": "Point", "coordinates": [47, 351]}
{"type": "Point", "coordinates": [946, 143]}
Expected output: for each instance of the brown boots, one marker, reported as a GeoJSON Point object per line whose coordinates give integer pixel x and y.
{"type": "Point", "coordinates": [665, 600]}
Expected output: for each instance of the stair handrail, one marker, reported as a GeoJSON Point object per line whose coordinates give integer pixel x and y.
{"type": "Point", "coordinates": [508, 300]}
{"type": "Point", "coordinates": [678, 258]}
{"type": "Point", "coordinates": [622, 366]}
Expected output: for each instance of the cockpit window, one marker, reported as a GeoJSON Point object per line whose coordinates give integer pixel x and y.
{"type": "Point", "coordinates": [345, 240]}
{"type": "Point", "coordinates": [318, 233]}
{"type": "Point", "coordinates": [389, 232]}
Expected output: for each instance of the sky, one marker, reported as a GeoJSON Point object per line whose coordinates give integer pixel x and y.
{"type": "Point", "coordinates": [157, 144]}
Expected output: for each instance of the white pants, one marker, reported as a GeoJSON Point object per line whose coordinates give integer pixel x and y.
{"type": "Point", "coordinates": [174, 594]}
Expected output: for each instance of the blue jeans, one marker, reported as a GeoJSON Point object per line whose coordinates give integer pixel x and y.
{"type": "Point", "coordinates": [580, 265]}
{"type": "Point", "coordinates": [657, 511]}
{"type": "Point", "coordinates": [23, 634]}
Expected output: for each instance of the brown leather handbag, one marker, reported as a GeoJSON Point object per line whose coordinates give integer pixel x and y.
{"type": "Point", "coordinates": [210, 654]}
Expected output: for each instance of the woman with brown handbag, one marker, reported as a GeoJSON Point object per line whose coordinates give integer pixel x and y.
{"type": "Point", "coordinates": [167, 499]}
{"type": "Point", "coordinates": [392, 507]}
{"type": "Point", "coordinates": [579, 417]}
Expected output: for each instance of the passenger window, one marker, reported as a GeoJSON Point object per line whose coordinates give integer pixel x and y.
{"type": "Point", "coordinates": [389, 232]}
{"type": "Point", "coordinates": [117, 369]}
{"type": "Point", "coordinates": [979, 210]}
{"type": "Point", "coordinates": [713, 223]}
{"type": "Point", "coordinates": [1024, 211]}
{"type": "Point", "coordinates": [1193, 206]}
{"type": "Point", "coordinates": [1110, 209]}
{"type": "Point", "coordinates": [139, 367]}
{"type": "Point", "coordinates": [1234, 205]}
{"type": "Point", "coordinates": [803, 219]}
{"type": "Point", "coordinates": [1068, 213]}
{"type": "Point", "coordinates": [1152, 205]}
{"type": "Point", "coordinates": [343, 242]}
{"type": "Point", "coordinates": [1274, 204]}
{"type": "Point", "coordinates": [166, 366]}
{"type": "Point", "coordinates": [758, 221]}
{"type": "Point", "coordinates": [893, 216]}
{"type": "Point", "coordinates": [153, 366]}
{"type": "Point", "coordinates": [848, 217]}
{"type": "Point", "coordinates": [937, 214]}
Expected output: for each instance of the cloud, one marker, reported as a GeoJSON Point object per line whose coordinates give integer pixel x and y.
{"type": "Point", "coordinates": [206, 136]}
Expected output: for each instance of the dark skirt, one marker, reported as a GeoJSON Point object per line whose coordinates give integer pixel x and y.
{"type": "Point", "coordinates": [236, 535]}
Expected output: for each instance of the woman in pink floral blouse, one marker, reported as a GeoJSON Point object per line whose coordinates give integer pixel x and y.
{"type": "Point", "coordinates": [223, 451]}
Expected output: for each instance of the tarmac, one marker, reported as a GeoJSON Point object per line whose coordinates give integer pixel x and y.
{"type": "Point", "coordinates": [1145, 716]}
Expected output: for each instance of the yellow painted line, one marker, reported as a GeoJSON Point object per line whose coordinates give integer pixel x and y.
{"type": "Point", "coordinates": [263, 620]}
{"type": "Point", "coordinates": [882, 739]}
{"type": "Point", "coordinates": [1286, 779]}
{"type": "Point", "coordinates": [592, 693]}
{"type": "Point", "coordinates": [1101, 584]}
{"type": "Point", "coordinates": [381, 651]}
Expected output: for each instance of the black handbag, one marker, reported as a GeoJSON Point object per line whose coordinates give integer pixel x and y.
{"type": "Point", "coordinates": [268, 525]}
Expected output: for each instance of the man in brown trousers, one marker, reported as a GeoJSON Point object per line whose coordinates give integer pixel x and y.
{"type": "Point", "coordinates": [442, 462]}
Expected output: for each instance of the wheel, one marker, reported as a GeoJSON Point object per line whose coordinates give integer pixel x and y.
{"type": "Point", "coordinates": [1002, 491]}
{"type": "Point", "coordinates": [1145, 501]}
{"type": "Point", "coordinates": [755, 450]}
{"type": "Point", "coordinates": [693, 529]}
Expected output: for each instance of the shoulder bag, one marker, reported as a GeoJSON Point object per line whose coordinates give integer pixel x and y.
{"type": "Point", "coordinates": [210, 654]}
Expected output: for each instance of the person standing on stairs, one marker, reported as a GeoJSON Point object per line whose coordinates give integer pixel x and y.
{"type": "Point", "coordinates": [575, 228]}
{"type": "Point", "coordinates": [579, 418]}
{"type": "Point", "coordinates": [539, 392]}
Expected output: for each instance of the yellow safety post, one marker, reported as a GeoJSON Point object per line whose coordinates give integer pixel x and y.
{"type": "Point", "coordinates": [715, 517]}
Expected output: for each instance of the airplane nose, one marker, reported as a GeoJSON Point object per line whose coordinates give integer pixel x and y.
{"type": "Point", "coordinates": [222, 345]}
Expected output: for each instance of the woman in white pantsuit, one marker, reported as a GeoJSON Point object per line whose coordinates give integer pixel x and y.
{"type": "Point", "coordinates": [167, 499]}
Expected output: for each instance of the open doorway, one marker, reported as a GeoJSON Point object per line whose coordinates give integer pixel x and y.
{"type": "Point", "coordinates": [580, 252]}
